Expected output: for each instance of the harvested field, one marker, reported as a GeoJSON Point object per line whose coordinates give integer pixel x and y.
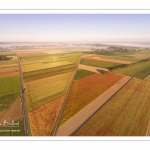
{"type": "Point", "coordinates": [139, 70]}
{"type": "Point", "coordinates": [74, 123]}
{"type": "Point", "coordinates": [125, 114]}
{"type": "Point", "coordinates": [42, 120]}
{"type": "Point", "coordinates": [85, 90]}
{"type": "Point", "coordinates": [93, 69]}
{"type": "Point", "coordinates": [13, 113]}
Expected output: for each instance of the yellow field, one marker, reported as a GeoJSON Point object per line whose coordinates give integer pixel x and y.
{"type": "Point", "coordinates": [38, 91]}
{"type": "Point", "coordinates": [40, 66]}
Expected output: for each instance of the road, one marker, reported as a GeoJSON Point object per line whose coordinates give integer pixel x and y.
{"type": "Point", "coordinates": [67, 94]}
{"type": "Point", "coordinates": [91, 68]}
{"type": "Point", "coordinates": [74, 123]}
{"type": "Point", "coordinates": [25, 115]}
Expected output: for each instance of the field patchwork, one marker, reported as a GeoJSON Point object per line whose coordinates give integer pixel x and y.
{"type": "Point", "coordinates": [100, 64]}
{"type": "Point", "coordinates": [85, 90]}
{"type": "Point", "coordinates": [139, 70]}
{"type": "Point", "coordinates": [126, 114]}
{"type": "Point", "coordinates": [38, 92]}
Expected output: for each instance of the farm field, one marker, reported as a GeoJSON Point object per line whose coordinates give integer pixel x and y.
{"type": "Point", "coordinates": [85, 90]}
{"type": "Point", "coordinates": [46, 82]}
{"type": "Point", "coordinates": [93, 69]}
{"type": "Point", "coordinates": [35, 75]}
{"type": "Point", "coordinates": [51, 62]}
{"type": "Point", "coordinates": [82, 73]}
{"type": "Point", "coordinates": [129, 56]}
{"type": "Point", "coordinates": [107, 65]}
{"type": "Point", "coordinates": [102, 59]}
{"type": "Point", "coordinates": [42, 120]}
{"type": "Point", "coordinates": [127, 114]}
{"type": "Point", "coordinates": [9, 85]}
{"type": "Point", "coordinates": [139, 70]}
{"type": "Point", "coordinates": [10, 109]}
{"type": "Point", "coordinates": [40, 66]}
{"type": "Point", "coordinates": [39, 92]}
{"type": "Point", "coordinates": [10, 100]}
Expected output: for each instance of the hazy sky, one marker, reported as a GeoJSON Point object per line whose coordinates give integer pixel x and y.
{"type": "Point", "coordinates": [74, 28]}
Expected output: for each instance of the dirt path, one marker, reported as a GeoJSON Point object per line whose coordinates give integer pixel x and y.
{"type": "Point", "coordinates": [73, 124]}
{"type": "Point", "coordinates": [91, 68]}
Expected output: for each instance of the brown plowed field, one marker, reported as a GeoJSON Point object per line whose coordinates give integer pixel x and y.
{"type": "Point", "coordinates": [107, 60]}
{"type": "Point", "coordinates": [8, 72]}
{"type": "Point", "coordinates": [42, 120]}
{"type": "Point", "coordinates": [13, 113]}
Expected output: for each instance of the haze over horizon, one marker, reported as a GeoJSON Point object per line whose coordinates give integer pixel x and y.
{"type": "Point", "coordinates": [74, 28]}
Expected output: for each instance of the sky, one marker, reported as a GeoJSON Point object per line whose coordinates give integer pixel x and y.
{"type": "Point", "coordinates": [74, 27]}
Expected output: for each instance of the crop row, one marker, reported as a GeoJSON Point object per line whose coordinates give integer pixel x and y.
{"type": "Point", "coordinates": [125, 114]}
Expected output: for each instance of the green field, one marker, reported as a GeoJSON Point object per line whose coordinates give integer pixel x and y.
{"type": "Point", "coordinates": [9, 85]}
{"type": "Point", "coordinates": [82, 73]}
{"type": "Point", "coordinates": [106, 65]}
{"type": "Point", "coordinates": [126, 114]}
{"type": "Point", "coordinates": [129, 56]}
{"type": "Point", "coordinates": [139, 70]}
{"type": "Point", "coordinates": [39, 92]}
{"type": "Point", "coordinates": [10, 131]}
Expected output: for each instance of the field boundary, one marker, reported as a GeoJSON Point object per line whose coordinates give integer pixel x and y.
{"type": "Point", "coordinates": [74, 123]}
{"type": "Point", "coordinates": [63, 105]}
{"type": "Point", "coordinates": [92, 68]}
{"type": "Point", "coordinates": [24, 108]}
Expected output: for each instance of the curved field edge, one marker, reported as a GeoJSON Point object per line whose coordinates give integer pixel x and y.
{"type": "Point", "coordinates": [126, 114]}
{"type": "Point", "coordinates": [86, 90]}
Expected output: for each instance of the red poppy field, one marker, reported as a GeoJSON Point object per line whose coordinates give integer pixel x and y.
{"type": "Point", "coordinates": [125, 114]}
{"type": "Point", "coordinates": [86, 90]}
